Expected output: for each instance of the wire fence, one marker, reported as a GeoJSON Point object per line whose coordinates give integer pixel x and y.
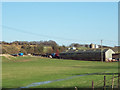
{"type": "Point", "coordinates": [109, 81]}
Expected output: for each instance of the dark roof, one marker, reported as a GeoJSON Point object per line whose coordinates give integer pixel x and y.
{"type": "Point", "coordinates": [115, 49]}
{"type": "Point", "coordinates": [85, 50]}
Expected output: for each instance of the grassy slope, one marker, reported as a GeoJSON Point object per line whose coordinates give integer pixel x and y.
{"type": "Point", "coordinates": [22, 71]}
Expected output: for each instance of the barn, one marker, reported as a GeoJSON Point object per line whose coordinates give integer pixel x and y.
{"type": "Point", "coordinates": [116, 56]}
{"type": "Point", "coordinates": [88, 54]}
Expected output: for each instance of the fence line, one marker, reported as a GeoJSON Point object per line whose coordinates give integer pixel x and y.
{"type": "Point", "coordinates": [107, 83]}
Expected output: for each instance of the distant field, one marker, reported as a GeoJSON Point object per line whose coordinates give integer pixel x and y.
{"type": "Point", "coordinates": [23, 71]}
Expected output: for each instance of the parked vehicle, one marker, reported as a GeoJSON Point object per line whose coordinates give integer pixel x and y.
{"type": "Point", "coordinates": [55, 55]}
{"type": "Point", "coordinates": [14, 54]}
{"type": "Point", "coordinates": [20, 54]}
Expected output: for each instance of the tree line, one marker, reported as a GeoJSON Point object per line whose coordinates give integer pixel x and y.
{"type": "Point", "coordinates": [37, 47]}
{"type": "Point", "coordinates": [32, 47]}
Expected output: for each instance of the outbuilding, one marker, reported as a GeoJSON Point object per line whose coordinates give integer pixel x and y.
{"type": "Point", "coordinates": [88, 54]}
{"type": "Point", "coordinates": [116, 56]}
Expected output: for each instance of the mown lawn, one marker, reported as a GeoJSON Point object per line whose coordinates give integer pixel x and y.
{"type": "Point", "coordinates": [23, 71]}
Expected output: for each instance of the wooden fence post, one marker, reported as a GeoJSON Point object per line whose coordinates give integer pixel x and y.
{"type": "Point", "coordinates": [104, 81]}
{"type": "Point", "coordinates": [75, 88]}
{"type": "Point", "coordinates": [92, 85]}
{"type": "Point", "coordinates": [118, 80]}
{"type": "Point", "coordinates": [113, 81]}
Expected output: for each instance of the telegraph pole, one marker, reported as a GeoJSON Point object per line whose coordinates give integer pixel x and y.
{"type": "Point", "coordinates": [101, 52]}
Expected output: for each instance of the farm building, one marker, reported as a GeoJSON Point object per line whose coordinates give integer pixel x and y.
{"type": "Point", "coordinates": [88, 54]}
{"type": "Point", "coordinates": [116, 56]}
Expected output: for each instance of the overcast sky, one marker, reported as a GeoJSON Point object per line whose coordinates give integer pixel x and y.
{"type": "Point", "coordinates": [65, 23]}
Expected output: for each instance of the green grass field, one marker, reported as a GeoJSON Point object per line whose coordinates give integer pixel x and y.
{"type": "Point", "coordinates": [23, 71]}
